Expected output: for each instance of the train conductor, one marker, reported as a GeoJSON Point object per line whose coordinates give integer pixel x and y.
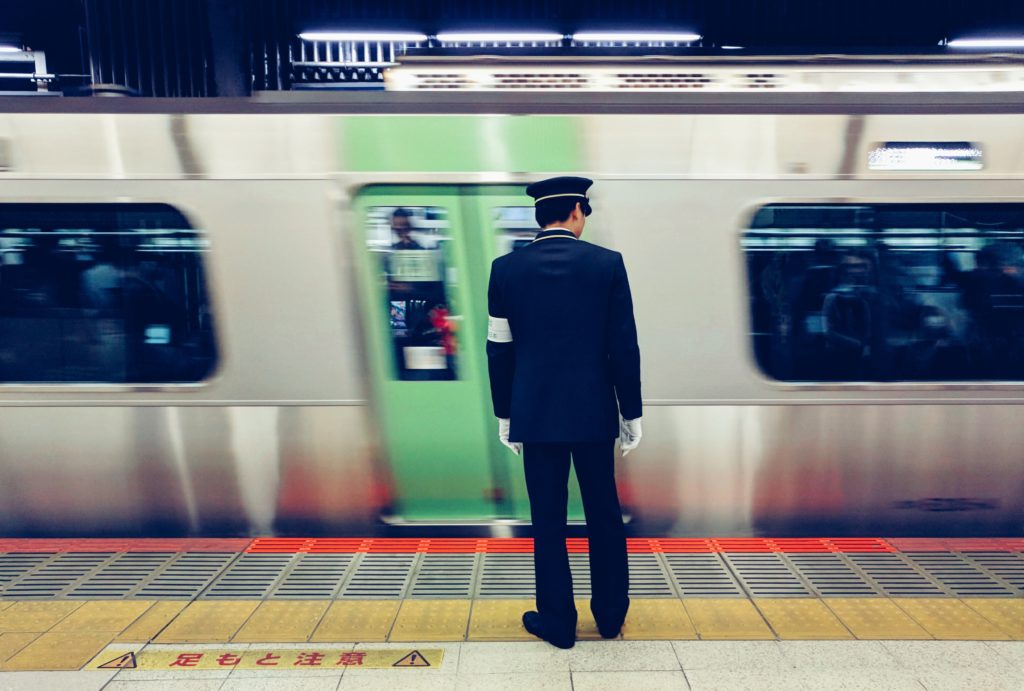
{"type": "Point", "coordinates": [564, 367]}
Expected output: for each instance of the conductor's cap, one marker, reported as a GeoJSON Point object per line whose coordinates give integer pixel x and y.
{"type": "Point", "coordinates": [565, 187]}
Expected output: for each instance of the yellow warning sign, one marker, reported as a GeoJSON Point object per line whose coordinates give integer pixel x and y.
{"type": "Point", "coordinates": [413, 659]}
{"type": "Point", "coordinates": [182, 659]}
{"type": "Point", "coordinates": [126, 661]}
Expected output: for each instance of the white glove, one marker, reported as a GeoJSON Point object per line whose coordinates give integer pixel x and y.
{"type": "Point", "coordinates": [629, 435]}
{"type": "Point", "coordinates": [503, 426]}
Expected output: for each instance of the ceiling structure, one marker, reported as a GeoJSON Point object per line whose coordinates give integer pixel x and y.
{"type": "Point", "coordinates": [233, 47]}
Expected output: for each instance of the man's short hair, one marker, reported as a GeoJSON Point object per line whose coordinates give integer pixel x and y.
{"type": "Point", "coordinates": [555, 210]}
{"type": "Point", "coordinates": [401, 213]}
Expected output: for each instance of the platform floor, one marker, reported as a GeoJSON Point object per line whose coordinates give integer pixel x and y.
{"type": "Point", "coordinates": [605, 666]}
{"type": "Point", "coordinates": [378, 613]}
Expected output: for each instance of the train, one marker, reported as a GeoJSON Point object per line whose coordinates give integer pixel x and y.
{"type": "Point", "coordinates": [209, 327]}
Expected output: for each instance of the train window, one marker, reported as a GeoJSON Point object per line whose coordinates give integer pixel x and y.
{"type": "Point", "coordinates": [413, 245]}
{"type": "Point", "coordinates": [515, 226]}
{"type": "Point", "coordinates": [102, 293]}
{"type": "Point", "coordinates": [887, 292]}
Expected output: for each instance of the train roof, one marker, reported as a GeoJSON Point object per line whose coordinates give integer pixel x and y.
{"type": "Point", "coordinates": [549, 102]}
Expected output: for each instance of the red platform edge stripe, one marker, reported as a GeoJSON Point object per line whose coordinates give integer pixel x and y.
{"type": "Point", "coordinates": [966, 544]}
{"type": "Point", "coordinates": [574, 545]}
{"type": "Point", "coordinates": [125, 545]}
{"type": "Point", "coordinates": [670, 545]}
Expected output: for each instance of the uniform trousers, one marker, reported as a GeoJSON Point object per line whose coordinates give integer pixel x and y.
{"type": "Point", "coordinates": [547, 482]}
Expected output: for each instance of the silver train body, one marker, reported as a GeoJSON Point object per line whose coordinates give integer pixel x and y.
{"type": "Point", "coordinates": [283, 437]}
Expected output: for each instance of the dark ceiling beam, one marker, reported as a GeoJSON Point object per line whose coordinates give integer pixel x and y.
{"type": "Point", "coordinates": [226, 19]}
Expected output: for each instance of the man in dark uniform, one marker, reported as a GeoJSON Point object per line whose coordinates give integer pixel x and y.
{"type": "Point", "coordinates": [561, 349]}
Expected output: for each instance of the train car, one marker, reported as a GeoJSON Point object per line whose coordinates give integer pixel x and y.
{"type": "Point", "coordinates": [268, 316]}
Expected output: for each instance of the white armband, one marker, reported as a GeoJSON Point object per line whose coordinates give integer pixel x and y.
{"type": "Point", "coordinates": [498, 330]}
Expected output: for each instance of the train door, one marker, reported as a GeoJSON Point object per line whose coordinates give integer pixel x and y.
{"type": "Point", "coordinates": [426, 255]}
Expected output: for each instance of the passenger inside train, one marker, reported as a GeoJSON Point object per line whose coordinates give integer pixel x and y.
{"type": "Point", "coordinates": [887, 293]}
{"type": "Point", "coordinates": [90, 293]}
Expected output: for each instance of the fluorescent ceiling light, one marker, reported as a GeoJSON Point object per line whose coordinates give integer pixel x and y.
{"type": "Point", "coordinates": [1006, 42]}
{"type": "Point", "coordinates": [385, 36]}
{"type": "Point", "coordinates": [635, 37]}
{"type": "Point", "coordinates": [9, 49]}
{"type": "Point", "coordinates": [498, 37]}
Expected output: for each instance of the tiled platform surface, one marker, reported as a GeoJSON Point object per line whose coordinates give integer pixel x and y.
{"type": "Point", "coordinates": [62, 602]}
{"type": "Point", "coordinates": [611, 665]}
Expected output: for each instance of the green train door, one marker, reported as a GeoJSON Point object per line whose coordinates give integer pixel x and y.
{"type": "Point", "coordinates": [425, 255]}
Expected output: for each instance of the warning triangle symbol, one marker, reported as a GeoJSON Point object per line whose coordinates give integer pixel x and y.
{"type": "Point", "coordinates": [126, 661]}
{"type": "Point", "coordinates": [413, 659]}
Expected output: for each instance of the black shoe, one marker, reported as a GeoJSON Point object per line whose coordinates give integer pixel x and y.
{"type": "Point", "coordinates": [610, 627]}
{"type": "Point", "coordinates": [610, 631]}
{"type": "Point", "coordinates": [533, 623]}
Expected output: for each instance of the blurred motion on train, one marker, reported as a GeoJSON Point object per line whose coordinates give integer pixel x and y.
{"type": "Point", "coordinates": [102, 293]}
{"type": "Point", "coordinates": [273, 321]}
{"type": "Point", "coordinates": [888, 292]}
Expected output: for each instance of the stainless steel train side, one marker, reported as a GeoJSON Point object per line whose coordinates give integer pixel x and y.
{"type": "Point", "coordinates": [283, 436]}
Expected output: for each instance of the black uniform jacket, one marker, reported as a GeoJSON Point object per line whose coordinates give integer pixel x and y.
{"type": "Point", "coordinates": [572, 349]}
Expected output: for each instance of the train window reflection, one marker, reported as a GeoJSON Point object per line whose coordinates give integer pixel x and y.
{"type": "Point", "coordinates": [887, 292]}
{"type": "Point", "coordinates": [102, 293]}
{"type": "Point", "coordinates": [516, 227]}
{"type": "Point", "coordinates": [413, 245]}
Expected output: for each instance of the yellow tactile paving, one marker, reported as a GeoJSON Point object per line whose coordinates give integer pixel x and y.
{"type": "Point", "coordinates": [586, 627]}
{"type": "Point", "coordinates": [499, 620]}
{"type": "Point", "coordinates": [950, 619]}
{"type": "Point", "coordinates": [279, 621]}
{"type": "Point", "coordinates": [431, 620]}
{"type": "Point", "coordinates": [727, 619]}
{"type": "Point", "coordinates": [1005, 613]}
{"type": "Point", "coordinates": [356, 620]}
{"type": "Point", "coordinates": [801, 619]}
{"type": "Point", "coordinates": [649, 619]}
{"type": "Point", "coordinates": [99, 616]}
{"type": "Point", "coordinates": [658, 620]}
{"type": "Point", "coordinates": [152, 622]}
{"type": "Point", "coordinates": [11, 643]}
{"type": "Point", "coordinates": [208, 622]}
{"type": "Point", "coordinates": [57, 651]}
{"type": "Point", "coordinates": [72, 631]}
{"type": "Point", "coordinates": [35, 617]}
{"type": "Point", "coordinates": [875, 618]}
